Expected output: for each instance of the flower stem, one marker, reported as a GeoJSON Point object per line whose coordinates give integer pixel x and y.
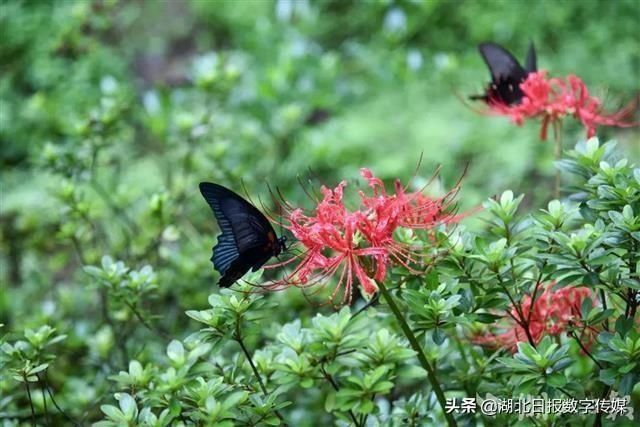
{"type": "Point", "coordinates": [44, 400]}
{"type": "Point", "coordinates": [239, 340]}
{"type": "Point", "coordinates": [431, 374]}
{"type": "Point", "coordinates": [33, 412]}
{"type": "Point", "coordinates": [557, 133]}
{"type": "Point", "coordinates": [53, 400]}
{"type": "Point", "coordinates": [333, 383]}
{"type": "Point", "coordinates": [247, 355]}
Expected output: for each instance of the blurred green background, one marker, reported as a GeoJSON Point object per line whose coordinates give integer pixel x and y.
{"type": "Point", "coordinates": [111, 112]}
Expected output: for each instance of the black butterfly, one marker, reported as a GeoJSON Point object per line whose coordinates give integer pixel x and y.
{"type": "Point", "coordinates": [506, 73]}
{"type": "Point", "coordinates": [247, 240]}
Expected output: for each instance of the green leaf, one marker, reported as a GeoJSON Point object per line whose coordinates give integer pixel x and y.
{"type": "Point", "coordinates": [487, 317]}
{"type": "Point", "coordinates": [382, 387]}
{"type": "Point", "coordinates": [330, 402]}
{"type": "Point", "coordinates": [608, 376]}
{"type": "Point", "coordinates": [623, 325]}
{"type": "Point", "coordinates": [527, 350]}
{"type": "Point", "coordinates": [135, 369]}
{"type": "Point", "coordinates": [235, 399]}
{"type": "Point", "coordinates": [627, 383]}
{"type": "Point", "coordinates": [38, 368]}
{"type": "Point", "coordinates": [113, 413]}
{"type": "Point", "coordinates": [175, 352]}
{"type": "Point", "coordinates": [556, 379]}
{"type": "Point", "coordinates": [272, 421]}
{"type": "Point", "coordinates": [438, 336]}
{"type": "Point", "coordinates": [128, 406]}
{"type": "Point", "coordinates": [627, 368]}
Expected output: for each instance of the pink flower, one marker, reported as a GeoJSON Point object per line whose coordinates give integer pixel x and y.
{"type": "Point", "coordinates": [334, 246]}
{"type": "Point", "coordinates": [553, 312]}
{"type": "Point", "coordinates": [411, 210]}
{"type": "Point", "coordinates": [551, 99]}
{"type": "Point", "coordinates": [358, 246]}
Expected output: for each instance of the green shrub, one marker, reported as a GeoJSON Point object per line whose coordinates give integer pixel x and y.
{"type": "Point", "coordinates": [112, 111]}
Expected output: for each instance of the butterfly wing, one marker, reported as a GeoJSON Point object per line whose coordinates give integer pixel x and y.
{"type": "Point", "coordinates": [531, 62]}
{"type": "Point", "coordinates": [506, 74]}
{"type": "Point", "coordinates": [247, 239]}
{"type": "Point", "coordinates": [501, 63]}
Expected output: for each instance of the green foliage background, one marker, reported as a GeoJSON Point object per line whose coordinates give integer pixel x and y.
{"type": "Point", "coordinates": [111, 112]}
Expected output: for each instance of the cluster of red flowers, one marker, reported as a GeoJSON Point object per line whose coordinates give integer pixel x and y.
{"type": "Point", "coordinates": [357, 246]}
{"type": "Point", "coordinates": [554, 98]}
{"type": "Point", "coordinates": [551, 313]}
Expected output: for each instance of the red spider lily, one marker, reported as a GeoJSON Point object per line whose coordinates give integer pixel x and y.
{"type": "Point", "coordinates": [553, 312]}
{"type": "Point", "coordinates": [358, 246]}
{"type": "Point", "coordinates": [553, 98]}
{"type": "Point", "coordinates": [334, 245]}
{"type": "Point", "coordinates": [411, 210]}
{"type": "Point", "coordinates": [405, 209]}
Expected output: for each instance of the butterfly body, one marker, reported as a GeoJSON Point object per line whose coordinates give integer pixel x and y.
{"type": "Point", "coordinates": [506, 74]}
{"type": "Point", "coordinates": [247, 240]}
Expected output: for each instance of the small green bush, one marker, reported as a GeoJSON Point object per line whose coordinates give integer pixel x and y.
{"type": "Point", "coordinates": [112, 111]}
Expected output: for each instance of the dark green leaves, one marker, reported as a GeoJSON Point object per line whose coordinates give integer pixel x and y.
{"type": "Point", "coordinates": [538, 369]}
